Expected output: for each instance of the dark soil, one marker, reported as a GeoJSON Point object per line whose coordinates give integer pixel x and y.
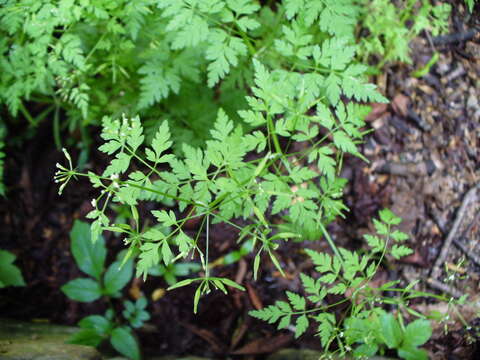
{"type": "Point", "coordinates": [424, 158]}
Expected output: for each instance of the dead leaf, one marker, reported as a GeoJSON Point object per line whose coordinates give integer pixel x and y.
{"type": "Point", "coordinates": [158, 294]}
{"type": "Point", "coordinates": [400, 104]}
{"type": "Point", "coordinates": [208, 336]}
{"type": "Point", "coordinates": [254, 298]}
{"type": "Point", "coordinates": [242, 270]}
{"type": "Point", "coordinates": [415, 259]}
{"type": "Point", "coordinates": [239, 333]}
{"type": "Point", "coordinates": [134, 290]}
{"type": "Point", "coordinates": [378, 109]}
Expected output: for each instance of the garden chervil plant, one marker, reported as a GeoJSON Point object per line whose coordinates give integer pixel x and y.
{"type": "Point", "coordinates": [366, 329]}
{"type": "Point", "coordinates": [219, 185]}
{"type": "Point", "coordinates": [184, 60]}
{"type": "Point", "coordinates": [288, 104]}
{"type": "Point", "coordinates": [152, 56]}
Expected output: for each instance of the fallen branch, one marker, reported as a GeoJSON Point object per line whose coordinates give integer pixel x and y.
{"type": "Point", "coordinates": [454, 38]}
{"type": "Point", "coordinates": [471, 194]}
{"type": "Point", "coordinates": [468, 252]}
{"type": "Point", "coordinates": [444, 287]}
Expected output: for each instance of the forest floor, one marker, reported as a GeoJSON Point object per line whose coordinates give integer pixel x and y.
{"type": "Point", "coordinates": [424, 164]}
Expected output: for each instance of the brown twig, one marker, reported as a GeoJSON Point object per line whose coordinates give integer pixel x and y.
{"type": "Point", "coordinates": [468, 252]}
{"type": "Point", "coordinates": [444, 287]}
{"type": "Point", "coordinates": [405, 169]}
{"type": "Point", "coordinates": [453, 232]}
{"type": "Point", "coordinates": [455, 38]}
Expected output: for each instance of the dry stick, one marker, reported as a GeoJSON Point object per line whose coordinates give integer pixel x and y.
{"type": "Point", "coordinates": [455, 38]}
{"type": "Point", "coordinates": [468, 252]}
{"type": "Point", "coordinates": [446, 245]}
{"type": "Point", "coordinates": [444, 287]}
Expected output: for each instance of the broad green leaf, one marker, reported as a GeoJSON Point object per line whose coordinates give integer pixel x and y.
{"type": "Point", "coordinates": [366, 350]}
{"type": "Point", "coordinates": [417, 333]}
{"type": "Point", "coordinates": [88, 337]}
{"type": "Point", "coordinates": [391, 331]}
{"type": "Point", "coordinates": [84, 290]}
{"type": "Point", "coordinates": [10, 275]}
{"type": "Point", "coordinates": [412, 353]}
{"type": "Point", "coordinates": [117, 277]}
{"type": "Point", "coordinates": [89, 256]}
{"type": "Point", "coordinates": [96, 322]}
{"type": "Point", "coordinates": [125, 343]}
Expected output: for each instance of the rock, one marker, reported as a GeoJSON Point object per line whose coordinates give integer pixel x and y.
{"type": "Point", "coordinates": [31, 341]}
{"type": "Point", "coordinates": [39, 349]}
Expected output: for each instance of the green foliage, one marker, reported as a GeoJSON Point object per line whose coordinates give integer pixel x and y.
{"type": "Point", "coordinates": [377, 329]}
{"type": "Point", "coordinates": [135, 312]}
{"type": "Point", "coordinates": [10, 274]}
{"type": "Point", "coordinates": [90, 258]}
{"type": "Point", "coordinates": [107, 283]}
{"type": "Point", "coordinates": [219, 183]}
{"type": "Point", "coordinates": [96, 328]}
{"type": "Point", "coordinates": [388, 33]}
{"type": "Point", "coordinates": [247, 114]}
{"type": "Point", "coordinates": [470, 4]}
{"type": "Point", "coordinates": [367, 327]}
{"type": "Point", "coordinates": [93, 58]}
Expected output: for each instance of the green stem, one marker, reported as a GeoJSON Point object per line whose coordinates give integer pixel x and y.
{"type": "Point", "coordinates": [271, 127]}
{"type": "Point", "coordinates": [95, 46]}
{"type": "Point", "coordinates": [207, 234]}
{"type": "Point", "coordinates": [27, 115]}
{"type": "Point", "coordinates": [330, 242]}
